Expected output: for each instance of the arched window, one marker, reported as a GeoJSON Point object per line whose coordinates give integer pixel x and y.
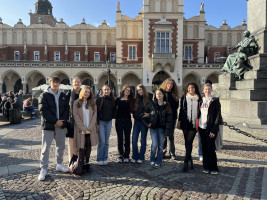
{"type": "Point", "coordinates": [24, 36]}
{"type": "Point", "coordinates": [174, 6]}
{"type": "Point", "coordinates": [219, 39]}
{"type": "Point", "coordinates": [44, 37]}
{"type": "Point", "coordinates": [195, 32]}
{"type": "Point", "coordinates": [14, 37]}
{"type": "Point", "coordinates": [152, 6]}
{"type": "Point", "coordinates": [65, 37]}
{"type": "Point", "coordinates": [124, 31]}
{"type": "Point", "coordinates": [163, 6]}
{"type": "Point", "coordinates": [185, 32]}
{"type": "Point", "coordinates": [99, 39]}
{"type": "Point", "coordinates": [78, 38]}
{"type": "Point", "coordinates": [109, 39]}
{"type": "Point", "coordinates": [54, 38]}
{"type": "Point", "coordinates": [34, 37]}
{"type": "Point", "coordinates": [135, 31]}
{"type": "Point", "coordinates": [229, 39]}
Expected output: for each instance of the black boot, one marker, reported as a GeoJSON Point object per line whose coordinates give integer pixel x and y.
{"type": "Point", "coordinates": [185, 167]}
{"type": "Point", "coordinates": [191, 164]}
{"type": "Point", "coordinates": [87, 168]}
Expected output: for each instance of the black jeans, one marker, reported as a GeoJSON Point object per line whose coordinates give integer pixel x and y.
{"type": "Point", "coordinates": [169, 141]}
{"type": "Point", "coordinates": [86, 152]}
{"type": "Point", "coordinates": [189, 136]}
{"type": "Point", "coordinates": [123, 129]}
{"type": "Point", "coordinates": [208, 149]}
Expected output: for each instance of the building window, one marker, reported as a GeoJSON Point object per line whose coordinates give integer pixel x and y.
{"type": "Point", "coordinates": [36, 55]}
{"type": "Point", "coordinates": [57, 56]}
{"type": "Point", "coordinates": [132, 53]}
{"type": "Point", "coordinates": [77, 56]}
{"type": "Point", "coordinates": [187, 52]}
{"type": "Point", "coordinates": [112, 57]}
{"type": "Point", "coordinates": [163, 42]}
{"type": "Point", "coordinates": [16, 55]}
{"type": "Point", "coordinates": [97, 57]}
{"type": "Point", "coordinates": [216, 56]}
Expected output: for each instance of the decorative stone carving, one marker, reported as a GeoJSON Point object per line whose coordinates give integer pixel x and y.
{"type": "Point", "coordinates": [118, 6]}
{"type": "Point", "coordinates": [163, 21]}
{"type": "Point", "coordinates": [202, 8]}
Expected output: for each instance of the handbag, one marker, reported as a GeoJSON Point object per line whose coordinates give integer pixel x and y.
{"type": "Point", "coordinates": [197, 124]}
{"type": "Point", "coordinates": [76, 164]}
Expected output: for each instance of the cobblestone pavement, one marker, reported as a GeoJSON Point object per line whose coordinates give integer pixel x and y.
{"type": "Point", "coordinates": [242, 165]}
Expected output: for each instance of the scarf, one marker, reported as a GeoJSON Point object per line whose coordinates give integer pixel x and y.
{"type": "Point", "coordinates": [192, 105]}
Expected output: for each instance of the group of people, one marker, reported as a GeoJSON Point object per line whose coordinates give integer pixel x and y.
{"type": "Point", "coordinates": [87, 122]}
{"type": "Point", "coordinates": [15, 101]}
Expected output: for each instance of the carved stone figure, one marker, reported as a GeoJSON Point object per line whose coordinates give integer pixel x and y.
{"type": "Point", "coordinates": [118, 6]}
{"type": "Point", "coordinates": [238, 63]}
{"type": "Point", "coordinates": [202, 7]}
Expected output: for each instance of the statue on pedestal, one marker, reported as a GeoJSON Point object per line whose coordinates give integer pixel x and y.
{"type": "Point", "coordinates": [238, 63]}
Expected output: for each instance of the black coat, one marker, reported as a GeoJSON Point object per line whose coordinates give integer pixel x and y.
{"type": "Point", "coordinates": [165, 116]}
{"type": "Point", "coordinates": [185, 124]}
{"type": "Point", "coordinates": [48, 110]}
{"type": "Point", "coordinates": [214, 118]}
{"type": "Point", "coordinates": [106, 110]}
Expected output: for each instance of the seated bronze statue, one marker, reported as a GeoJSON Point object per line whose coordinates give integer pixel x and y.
{"type": "Point", "coordinates": [238, 62]}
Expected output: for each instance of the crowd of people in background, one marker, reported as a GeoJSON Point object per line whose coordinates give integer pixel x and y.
{"type": "Point", "coordinates": [86, 121]}
{"type": "Point", "coordinates": [18, 101]}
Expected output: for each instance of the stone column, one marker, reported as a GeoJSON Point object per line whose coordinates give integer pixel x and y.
{"type": "Point", "coordinates": [257, 21]}
{"type": "Point", "coordinates": [24, 87]}
{"type": "Point", "coordinates": [96, 84]}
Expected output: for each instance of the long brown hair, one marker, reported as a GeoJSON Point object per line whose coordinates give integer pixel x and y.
{"type": "Point", "coordinates": [137, 96]}
{"type": "Point", "coordinates": [130, 97]}
{"type": "Point", "coordinates": [90, 99]}
{"type": "Point", "coordinates": [111, 93]}
{"type": "Point", "coordinates": [168, 107]}
{"type": "Point", "coordinates": [174, 91]}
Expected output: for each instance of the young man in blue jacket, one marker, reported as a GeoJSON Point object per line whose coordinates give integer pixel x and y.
{"type": "Point", "coordinates": [54, 110]}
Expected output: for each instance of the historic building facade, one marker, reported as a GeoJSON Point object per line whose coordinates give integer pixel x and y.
{"type": "Point", "coordinates": [158, 43]}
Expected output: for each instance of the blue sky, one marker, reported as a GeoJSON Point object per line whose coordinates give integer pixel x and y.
{"type": "Point", "coordinates": [94, 11]}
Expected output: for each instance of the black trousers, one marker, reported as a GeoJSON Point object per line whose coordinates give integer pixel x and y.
{"type": "Point", "coordinates": [208, 150]}
{"type": "Point", "coordinates": [123, 129]}
{"type": "Point", "coordinates": [189, 136]}
{"type": "Point", "coordinates": [86, 152]}
{"type": "Point", "coordinates": [169, 141]}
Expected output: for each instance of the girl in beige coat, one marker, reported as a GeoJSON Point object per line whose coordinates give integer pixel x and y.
{"type": "Point", "coordinates": [85, 126]}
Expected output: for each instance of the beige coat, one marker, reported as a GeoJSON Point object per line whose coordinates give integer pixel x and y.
{"type": "Point", "coordinates": [79, 138]}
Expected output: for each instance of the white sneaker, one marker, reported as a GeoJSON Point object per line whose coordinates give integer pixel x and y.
{"type": "Point", "coordinates": [61, 168]}
{"type": "Point", "coordinates": [157, 166]}
{"type": "Point", "coordinates": [126, 160]}
{"type": "Point", "coordinates": [100, 163]}
{"type": "Point", "coordinates": [201, 158]}
{"type": "Point", "coordinates": [42, 175]}
{"type": "Point", "coordinates": [105, 162]}
{"type": "Point", "coordinates": [133, 161]}
{"type": "Point", "coordinates": [119, 160]}
{"type": "Point", "coordinates": [140, 161]}
{"type": "Point", "coordinates": [152, 163]}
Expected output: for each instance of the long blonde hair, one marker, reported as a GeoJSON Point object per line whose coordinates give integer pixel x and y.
{"type": "Point", "coordinates": [90, 99]}
{"type": "Point", "coordinates": [174, 91]}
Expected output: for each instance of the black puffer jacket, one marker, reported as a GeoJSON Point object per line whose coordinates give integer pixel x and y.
{"type": "Point", "coordinates": [165, 116]}
{"type": "Point", "coordinates": [48, 110]}
{"type": "Point", "coordinates": [214, 118]}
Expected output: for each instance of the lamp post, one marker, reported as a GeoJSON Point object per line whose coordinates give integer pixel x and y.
{"type": "Point", "coordinates": [108, 73]}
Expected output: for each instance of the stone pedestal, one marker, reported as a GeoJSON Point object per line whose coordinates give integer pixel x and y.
{"type": "Point", "coordinates": [245, 100]}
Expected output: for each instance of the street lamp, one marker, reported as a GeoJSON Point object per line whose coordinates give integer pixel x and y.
{"type": "Point", "coordinates": [108, 73]}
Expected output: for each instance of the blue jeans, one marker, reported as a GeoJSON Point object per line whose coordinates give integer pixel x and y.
{"type": "Point", "coordinates": [104, 133]}
{"type": "Point", "coordinates": [139, 127]}
{"type": "Point", "coordinates": [199, 145]}
{"type": "Point", "coordinates": [157, 136]}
